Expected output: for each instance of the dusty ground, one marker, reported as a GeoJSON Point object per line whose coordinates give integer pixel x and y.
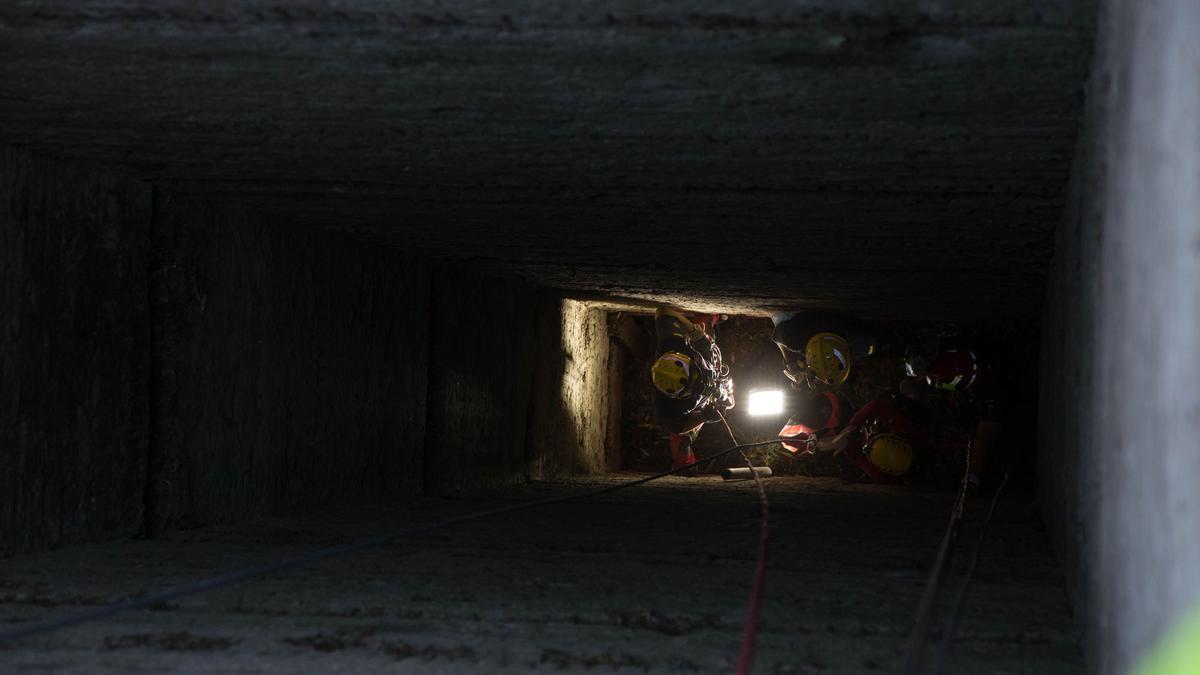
{"type": "Point", "coordinates": [653, 579]}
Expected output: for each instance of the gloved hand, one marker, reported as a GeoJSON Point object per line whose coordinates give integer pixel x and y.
{"type": "Point", "coordinates": [796, 370]}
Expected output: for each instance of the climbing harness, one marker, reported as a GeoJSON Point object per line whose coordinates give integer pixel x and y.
{"type": "Point", "coordinates": [719, 387]}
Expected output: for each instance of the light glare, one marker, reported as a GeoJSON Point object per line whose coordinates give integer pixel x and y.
{"type": "Point", "coordinates": [766, 402]}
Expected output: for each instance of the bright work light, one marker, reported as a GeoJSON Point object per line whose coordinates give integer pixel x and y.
{"type": "Point", "coordinates": [769, 402]}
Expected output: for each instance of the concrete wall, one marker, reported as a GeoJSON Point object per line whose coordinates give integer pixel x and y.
{"type": "Point", "coordinates": [571, 141]}
{"type": "Point", "coordinates": [293, 365]}
{"type": "Point", "coordinates": [73, 353]}
{"type": "Point", "coordinates": [1066, 468]}
{"type": "Point", "coordinates": [172, 361]}
{"type": "Point", "coordinates": [300, 366]}
{"type": "Point", "coordinates": [1121, 406]}
{"type": "Point", "coordinates": [482, 354]}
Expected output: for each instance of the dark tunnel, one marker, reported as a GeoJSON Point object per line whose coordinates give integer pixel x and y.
{"type": "Point", "coordinates": [413, 295]}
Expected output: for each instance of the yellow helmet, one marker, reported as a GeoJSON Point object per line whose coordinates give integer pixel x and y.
{"type": "Point", "coordinates": [890, 453]}
{"type": "Point", "coordinates": [828, 358]}
{"type": "Point", "coordinates": [672, 373]}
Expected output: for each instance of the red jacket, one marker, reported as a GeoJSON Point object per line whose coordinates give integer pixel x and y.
{"type": "Point", "coordinates": [884, 414]}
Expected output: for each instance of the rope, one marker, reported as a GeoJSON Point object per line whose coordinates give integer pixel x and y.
{"type": "Point", "coordinates": [961, 599]}
{"type": "Point", "coordinates": [201, 586]}
{"type": "Point", "coordinates": [749, 642]}
{"type": "Point", "coordinates": [920, 635]}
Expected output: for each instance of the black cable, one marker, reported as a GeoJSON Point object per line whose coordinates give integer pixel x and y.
{"type": "Point", "coordinates": [324, 554]}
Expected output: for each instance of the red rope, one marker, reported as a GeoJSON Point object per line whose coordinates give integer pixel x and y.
{"type": "Point", "coordinates": [749, 644]}
{"type": "Point", "coordinates": [750, 632]}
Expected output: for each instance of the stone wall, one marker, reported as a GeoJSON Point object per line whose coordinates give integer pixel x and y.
{"type": "Point", "coordinates": [73, 353]}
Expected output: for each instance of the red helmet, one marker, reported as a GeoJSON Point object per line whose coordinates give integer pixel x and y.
{"type": "Point", "coordinates": [954, 370]}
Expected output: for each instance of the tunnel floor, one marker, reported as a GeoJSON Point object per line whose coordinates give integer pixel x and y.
{"type": "Point", "coordinates": [652, 579]}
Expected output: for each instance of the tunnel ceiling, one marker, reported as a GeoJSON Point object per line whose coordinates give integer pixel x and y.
{"type": "Point", "coordinates": [895, 158]}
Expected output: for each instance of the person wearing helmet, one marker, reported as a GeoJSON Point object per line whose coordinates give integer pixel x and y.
{"type": "Point", "coordinates": [691, 385]}
{"type": "Point", "coordinates": [814, 416]}
{"type": "Point", "coordinates": [820, 348]}
{"type": "Point", "coordinates": [960, 378]}
{"type": "Point", "coordinates": [882, 439]}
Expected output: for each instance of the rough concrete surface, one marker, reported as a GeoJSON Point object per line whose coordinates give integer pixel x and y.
{"type": "Point", "coordinates": [73, 353]}
{"type": "Point", "coordinates": [893, 158]}
{"type": "Point", "coordinates": [1067, 476]}
{"type": "Point", "coordinates": [296, 365]}
{"type": "Point", "coordinates": [650, 580]}
{"type": "Point", "coordinates": [1147, 402]}
{"type": "Point", "coordinates": [483, 358]}
{"type": "Point", "coordinates": [171, 361]}
{"type": "Point", "coordinates": [1119, 411]}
